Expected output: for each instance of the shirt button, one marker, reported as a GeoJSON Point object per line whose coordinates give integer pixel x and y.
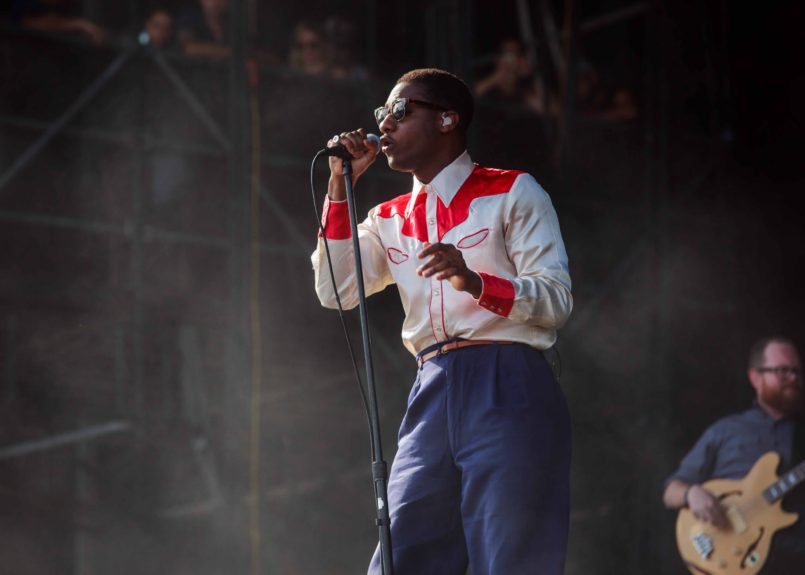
{"type": "Point", "coordinates": [439, 329]}
{"type": "Point", "coordinates": [435, 292]}
{"type": "Point", "coordinates": [431, 222]}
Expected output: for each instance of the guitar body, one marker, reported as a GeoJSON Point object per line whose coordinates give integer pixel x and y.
{"type": "Point", "coordinates": [743, 546]}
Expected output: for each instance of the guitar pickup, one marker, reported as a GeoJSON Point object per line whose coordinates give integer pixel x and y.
{"type": "Point", "coordinates": [703, 544]}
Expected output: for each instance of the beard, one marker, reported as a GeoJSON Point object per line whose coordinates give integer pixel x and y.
{"type": "Point", "coordinates": [786, 399]}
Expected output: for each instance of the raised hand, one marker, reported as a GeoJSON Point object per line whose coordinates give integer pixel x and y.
{"type": "Point", "coordinates": [364, 153]}
{"type": "Point", "coordinates": [446, 263]}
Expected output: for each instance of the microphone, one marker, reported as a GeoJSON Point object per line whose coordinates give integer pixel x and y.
{"type": "Point", "coordinates": [339, 151]}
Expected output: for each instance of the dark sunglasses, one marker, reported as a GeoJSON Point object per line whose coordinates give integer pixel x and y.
{"type": "Point", "coordinates": [398, 107]}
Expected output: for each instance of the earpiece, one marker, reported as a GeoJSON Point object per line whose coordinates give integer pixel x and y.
{"type": "Point", "coordinates": [447, 120]}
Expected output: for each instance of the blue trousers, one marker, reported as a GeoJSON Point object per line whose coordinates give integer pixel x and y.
{"type": "Point", "coordinates": [482, 471]}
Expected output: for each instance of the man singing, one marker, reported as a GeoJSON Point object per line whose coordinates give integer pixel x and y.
{"type": "Point", "coordinates": [481, 474]}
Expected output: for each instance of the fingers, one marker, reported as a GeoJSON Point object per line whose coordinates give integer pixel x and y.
{"type": "Point", "coordinates": [372, 145]}
{"type": "Point", "coordinates": [363, 153]}
{"type": "Point", "coordinates": [444, 260]}
{"type": "Point", "coordinates": [430, 249]}
{"type": "Point", "coordinates": [709, 509]}
{"type": "Point", "coordinates": [715, 517]}
{"type": "Point", "coordinates": [440, 267]}
{"type": "Point", "coordinates": [355, 142]}
{"type": "Point", "coordinates": [427, 250]}
{"type": "Point", "coordinates": [447, 273]}
{"type": "Point", "coordinates": [719, 522]}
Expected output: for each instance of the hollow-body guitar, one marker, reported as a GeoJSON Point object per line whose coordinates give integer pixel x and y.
{"type": "Point", "coordinates": [754, 514]}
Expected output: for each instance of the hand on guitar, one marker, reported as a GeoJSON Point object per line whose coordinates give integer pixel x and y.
{"type": "Point", "coordinates": [705, 506]}
{"type": "Point", "coordinates": [726, 526]}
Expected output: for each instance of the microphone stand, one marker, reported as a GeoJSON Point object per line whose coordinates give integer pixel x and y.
{"type": "Point", "coordinates": [379, 467]}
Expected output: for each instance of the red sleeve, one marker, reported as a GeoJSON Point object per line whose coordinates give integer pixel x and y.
{"type": "Point", "coordinates": [497, 294]}
{"type": "Point", "coordinates": [335, 220]}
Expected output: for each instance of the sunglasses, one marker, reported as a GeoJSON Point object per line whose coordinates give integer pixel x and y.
{"type": "Point", "coordinates": [399, 106]}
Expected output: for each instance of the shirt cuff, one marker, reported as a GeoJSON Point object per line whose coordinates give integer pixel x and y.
{"type": "Point", "coordinates": [497, 294]}
{"type": "Point", "coordinates": [335, 220]}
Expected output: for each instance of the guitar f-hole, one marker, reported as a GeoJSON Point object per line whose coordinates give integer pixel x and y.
{"type": "Point", "coordinates": [750, 554]}
{"type": "Point", "coordinates": [726, 494]}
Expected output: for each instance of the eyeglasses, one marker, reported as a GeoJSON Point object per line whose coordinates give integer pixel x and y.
{"type": "Point", "coordinates": [399, 106]}
{"type": "Point", "coordinates": [781, 370]}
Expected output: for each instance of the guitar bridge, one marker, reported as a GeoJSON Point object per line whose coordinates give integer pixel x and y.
{"type": "Point", "coordinates": [703, 544]}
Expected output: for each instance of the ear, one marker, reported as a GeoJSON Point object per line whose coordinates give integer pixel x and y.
{"type": "Point", "coordinates": [449, 122]}
{"type": "Point", "coordinates": [755, 378]}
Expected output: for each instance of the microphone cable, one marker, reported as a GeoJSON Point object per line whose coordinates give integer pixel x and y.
{"type": "Point", "coordinates": [338, 297]}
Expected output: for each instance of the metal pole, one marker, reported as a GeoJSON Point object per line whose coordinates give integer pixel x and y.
{"type": "Point", "coordinates": [192, 100]}
{"type": "Point", "coordinates": [57, 126]}
{"type": "Point", "coordinates": [371, 35]}
{"type": "Point", "coordinates": [613, 17]}
{"type": "Point", "coordinates": [379, 467]}
{"type": "Point", "coordinates": [10, 360]}
{"type": "Point", "coordinates": [238, 397]}
{"type": "Point", "coordinates": [137, 239]}
{"type": "Point", "coordinates": [70, 438]}
{"type": "Point", "coordinates": [658, 216]}
{"type": "Point", "coordinates": [570, 64]}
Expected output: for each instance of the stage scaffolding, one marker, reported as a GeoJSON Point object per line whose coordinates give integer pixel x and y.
{"type": "Point", "coordinates": [124, 415]}
{"type": "Point", "coordinates": [214, 446]}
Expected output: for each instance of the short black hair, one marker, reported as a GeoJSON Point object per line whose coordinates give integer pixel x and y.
{"type": "Point", "coordinates": [757, 353]}
{"type": "Point", "coordinates": [444, 89]}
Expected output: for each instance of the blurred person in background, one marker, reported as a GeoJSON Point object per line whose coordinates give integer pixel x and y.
{"type": "Point", "coordinates": [59, 17]}
{"type": "Point", "coordinates": [308, 53]}
{"type": "Point", "coordinates": [598, 101]}
{"type": "Point", "coordinates": [203, 29]}
{"type": "Point", "coordinates": [516, 107]}
{"type": "Point", "coordinates": [340, 34]}
{"type": "Point", "coordinates": [159, 28]}
{"type": "Point", "coordinates": [514, 81]}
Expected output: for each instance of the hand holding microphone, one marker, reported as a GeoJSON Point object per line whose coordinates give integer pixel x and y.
{"type": "Point", "coordinates": [337, 145]}
{"type": "Point", "coordinates": [359, 147]}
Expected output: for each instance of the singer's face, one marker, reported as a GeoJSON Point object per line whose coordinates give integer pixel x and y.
{"type": "Point", "coordinates": [411, 144]}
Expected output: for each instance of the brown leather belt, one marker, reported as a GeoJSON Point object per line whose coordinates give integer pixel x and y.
{"type": "Point", "coordinates": [448, 347]}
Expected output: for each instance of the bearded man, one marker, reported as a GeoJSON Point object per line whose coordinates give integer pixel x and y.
{"type": "Point", "coordinates": [730, 447]}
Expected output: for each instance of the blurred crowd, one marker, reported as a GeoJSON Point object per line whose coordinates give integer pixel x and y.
{"type": "Point", "coordinates": [522, 102]}
{"type": "Point", "coordinates": [201, 29]}
{"type": "Point", "coordinates": [519, 99]}
{"type": "Point", "coordinates": [516, 81]}
{"type": "Point", "coordinates": [327, 48]}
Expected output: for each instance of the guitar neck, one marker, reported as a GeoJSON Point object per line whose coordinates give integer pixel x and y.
{"type": "Point", "coordinates": [786, 483]}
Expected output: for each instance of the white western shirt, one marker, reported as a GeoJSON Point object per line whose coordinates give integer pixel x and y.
{"type": "Point", "coordinates": [507, 230]}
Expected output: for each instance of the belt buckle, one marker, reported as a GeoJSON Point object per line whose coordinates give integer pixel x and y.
{"type": "Point", "coordinates": [446, 348]}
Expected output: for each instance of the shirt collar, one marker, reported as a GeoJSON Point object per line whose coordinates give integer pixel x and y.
{"type": "Point", "coordinates": [760, 413]}
{"type": "Point", "coordinates": [447, 182]}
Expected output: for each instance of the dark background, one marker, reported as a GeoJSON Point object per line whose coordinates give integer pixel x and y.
{"type": "Point", "coordinates": [133, 312]}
